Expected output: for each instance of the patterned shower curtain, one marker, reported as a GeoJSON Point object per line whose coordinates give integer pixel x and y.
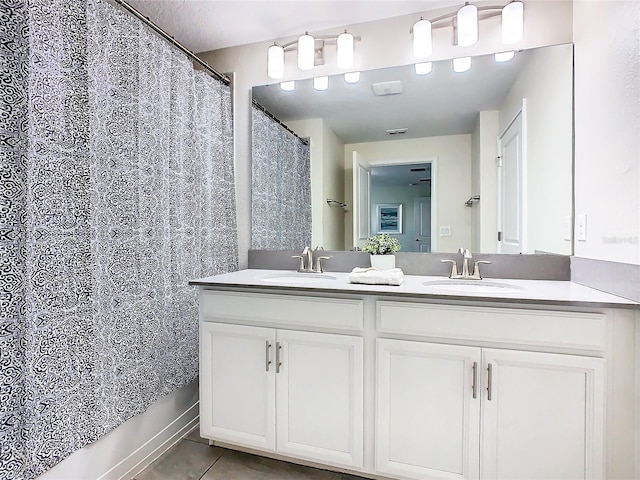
{"type": "Point", "coordinates": [280, 187]}
{"type": "Point", "coordinates": [116, 188]}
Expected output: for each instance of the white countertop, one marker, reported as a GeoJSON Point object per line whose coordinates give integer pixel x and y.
{"type": "Point", "coordinates": [519, 291]}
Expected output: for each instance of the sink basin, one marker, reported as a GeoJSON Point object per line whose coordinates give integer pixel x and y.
{"type": "Point", "coordinates": [473, 286]}
{"type": "Point", "coordinates": [297, 278]}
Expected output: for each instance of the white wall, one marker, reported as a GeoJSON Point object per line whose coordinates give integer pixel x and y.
{"type": "Point", "coordinates": [607, 128]}
{"type": "Point", "coordinates": [384, 43]}
{"type": "Point", "coordinates": [452, 185]}
{"type": "Point", "coordinates": [327, 180]}
{"type": "Point", "coordinates": [134, 444]}
{"type": "Point", "coordinates": [546, 84]}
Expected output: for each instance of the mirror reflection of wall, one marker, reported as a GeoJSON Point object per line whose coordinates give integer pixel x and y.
{"type": "Point", "coordinates": [462, 122]}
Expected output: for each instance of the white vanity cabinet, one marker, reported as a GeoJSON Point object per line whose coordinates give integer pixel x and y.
{"type": "Point", "coordinates": [296, 393]}
{"type": "Point", "coordinates": [393, 386]}
{"type": "Point", "coordinates": [468, 412]}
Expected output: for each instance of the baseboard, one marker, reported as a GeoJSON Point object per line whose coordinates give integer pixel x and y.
{"type": "Point", "coordinates": [139, 459]}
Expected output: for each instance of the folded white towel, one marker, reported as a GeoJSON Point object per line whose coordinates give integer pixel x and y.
{"type": "Point", "coordinates": [373, 276]}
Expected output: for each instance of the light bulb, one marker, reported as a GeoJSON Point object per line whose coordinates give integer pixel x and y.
{"type": "Point", "coordinates": [461, 64]}
{"type": "Point", "coordinates": [422, 68]}
{"type": "Point", "coordinates": [352, 77]}
{"type": "Point", "coordinates": [321, 83]}
{"type": "Point", "coordinates": [288, 86]}
{"type": "Point", "coordinates": [467, 25]}
{"type": "Point", "coordinates": [504, 56]}
{"type": "Point", "coordinates": [306, 52]}
{"type": "Point", "coordinates": [422, 43]}
{"type": "Point", "coordinates": [275, 61]}
{"type": "Point", "coordinates": [512, 22]}
{"type": "Point", "coordinates": [345, 50]}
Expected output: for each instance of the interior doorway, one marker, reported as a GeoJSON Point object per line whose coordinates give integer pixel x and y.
{"type": "Point", "coordinates": [408, 184]}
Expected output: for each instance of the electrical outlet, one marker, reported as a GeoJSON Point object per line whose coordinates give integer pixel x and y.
{"type": "Point", "coordinates": [581, 228]}
{"type": "Point", "coordinates": [568, 224]}
{"type": "Point", "coordinates": [445, 231]}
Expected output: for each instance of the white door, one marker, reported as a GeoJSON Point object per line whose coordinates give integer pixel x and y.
{"type": "Point", "coordinates": [545, 418]}
{"type": "Point", "coordinates": [361, 200]}
{"type": "Point", "coordinates": [320, 397]}
{"type": "Point", "coordinates": [510, 200]}
{"type": "Point", "coordinates": [422, 222]}
{"type": "Point", "coordinates": [427, 419]}
{"type": "Point", "coordinates": [237, 384]}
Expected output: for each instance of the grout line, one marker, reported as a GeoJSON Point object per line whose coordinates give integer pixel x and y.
{"type": "Point", "coordinates": [214, 462]}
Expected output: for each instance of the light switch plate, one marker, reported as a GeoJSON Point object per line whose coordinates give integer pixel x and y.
{"type": "Point", "coordinates": [581, 228]}
{"type": "Point", "coordinates": [445, 231]}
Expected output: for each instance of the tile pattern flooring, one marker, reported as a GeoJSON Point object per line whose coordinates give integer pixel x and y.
{"type": "Point", "coordinates": [193, 459]}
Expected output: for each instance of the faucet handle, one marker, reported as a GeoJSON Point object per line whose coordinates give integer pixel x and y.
{"type": "Point", "coordinates": [476, 268]}
{"type": "Point", "coordinates": [454, 267]}
{"type": "Point", "coordinates": [301, 266]}
{"type": "Point", "coordinates": [319, 264]}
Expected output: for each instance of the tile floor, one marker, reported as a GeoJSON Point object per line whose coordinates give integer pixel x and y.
{"type": "Point", "coordinates": [193, 459]}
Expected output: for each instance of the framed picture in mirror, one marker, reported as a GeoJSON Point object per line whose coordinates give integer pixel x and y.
{"type": "Point", "coordinates": [389, 218]}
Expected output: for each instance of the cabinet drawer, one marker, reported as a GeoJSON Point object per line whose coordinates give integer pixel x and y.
{"type": "Point", "coordinates": [335, 313]}
{"type": "Point", "coordinates": [567, 330]}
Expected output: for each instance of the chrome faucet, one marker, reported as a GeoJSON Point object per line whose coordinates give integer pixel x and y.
{"type": "Point", "coordinates": [308, 267]}
{"type": "Point", "coordinates": [466, 275]}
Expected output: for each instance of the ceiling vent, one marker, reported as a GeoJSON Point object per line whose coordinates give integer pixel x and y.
{"type": "Point", "coordinates": [387, 88]}
{"type": "Point", "coordinates": [397, 131]}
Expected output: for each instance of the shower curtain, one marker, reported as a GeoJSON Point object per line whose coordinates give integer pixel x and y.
{"type": "Point", "coordinates": [280, 187]}
{"type": "Point", "coordinates": [116, 188]}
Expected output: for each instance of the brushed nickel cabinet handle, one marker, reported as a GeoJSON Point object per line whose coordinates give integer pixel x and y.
{"type": "Point", "coordinates": [268, 355]}
{"type": "Point", "coordinates": [475, 380]}
{"type": "Point", "coordinates": [278, 362]}
{"type": "Point", "coordinates": [489, 381]}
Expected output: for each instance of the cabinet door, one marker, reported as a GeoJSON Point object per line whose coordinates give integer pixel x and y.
{"type": "Point", "coordinates": [545, 417]}
{"type": "Point", "coordinates": [320, 397]}
{"type": "Point", "coordinates": [237, 385]}
{"type": "Point", "coordinates": [427, 419]}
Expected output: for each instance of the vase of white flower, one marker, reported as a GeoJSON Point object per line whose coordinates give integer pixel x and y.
{"type": "Point", "coordinates": [381, 249]}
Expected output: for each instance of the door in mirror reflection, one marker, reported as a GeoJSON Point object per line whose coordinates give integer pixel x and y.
{"type": "Point", "coordinates": [422, 224]}
{"type": "Point", "coordinates": [511, 174]}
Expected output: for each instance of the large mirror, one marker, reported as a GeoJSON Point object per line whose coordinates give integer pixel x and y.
{"type": "Point", "coordinates": [480, 158]}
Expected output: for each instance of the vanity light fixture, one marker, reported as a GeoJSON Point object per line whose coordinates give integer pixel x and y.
{"type": "Point", "coordinates": [461, 64]}
{"type": "Point", "coordinates": [321, 83]}
{"type": "Point", "coordinates": [306, 52]}
{"type": "Point", "coordinates": [504, 56]}
{"type": "Point", "coordinates": [422, 42]}
{"type": "Point", "coordinates": [352, 77]}
{"type": "Point", "coordinates": [423, 68]}
{"type": "Point", "coordinates": [275, 61]}
{"type": "Point", "coordinates": [464, 21]}
{"type": "Point", "coordinates": [512, 22]}
{"type": "Point", "coordinates": [345, 43]}
{"type": "Point", "coordinates": [310, 50]}
{"type": "Point", "coordinates": [467, 18]}
{"type": "Point", "coordinates": [288, 86]}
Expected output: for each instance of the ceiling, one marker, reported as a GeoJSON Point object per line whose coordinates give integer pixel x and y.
{"type": "Point", "coordinates": [203, 25]}
{"type": "Point", "coordinates": [411, 175]}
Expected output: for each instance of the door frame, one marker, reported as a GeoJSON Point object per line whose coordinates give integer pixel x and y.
{"type": "Point", "coordinates": [433, 161]}
{"type": "Point", "coordinates": [523, 178]}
